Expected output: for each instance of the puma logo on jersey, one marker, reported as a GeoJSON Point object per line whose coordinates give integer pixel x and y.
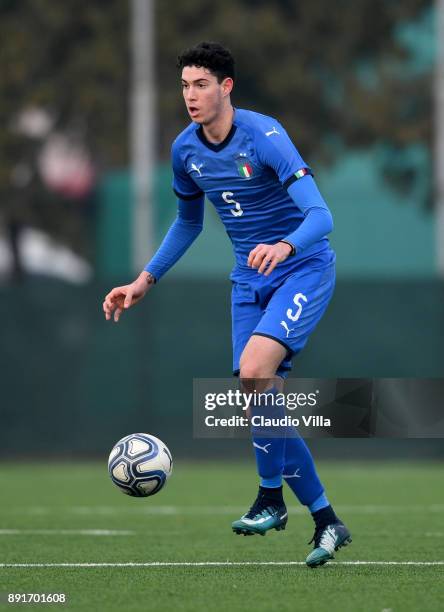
{"type": "Point", "coordinates": [264, 448]}
{"type": "Point", "coordinates": [287, 329]}
{"type": "Point", "coordinates": [196, 168]}
{"type": "Point", "coordinates": [273, 131]}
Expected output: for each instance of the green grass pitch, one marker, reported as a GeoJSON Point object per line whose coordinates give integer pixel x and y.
{"type": "Point", "coordinates": [72, 513]}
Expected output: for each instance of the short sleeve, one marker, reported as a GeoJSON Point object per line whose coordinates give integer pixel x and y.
{"type": "Point", "coordinates": [275, 149]}
{"type": "Point", "coordinates": [183, 185]}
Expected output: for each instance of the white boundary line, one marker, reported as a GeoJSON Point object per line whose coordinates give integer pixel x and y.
{"type": "Point", "coordinates": [83, 532]}
{"type": "Point", "coordinates": [216, 564]}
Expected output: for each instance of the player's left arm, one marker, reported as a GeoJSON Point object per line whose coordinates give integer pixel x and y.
{"type": "Point", "coordinates": [278, 152]}
{"type": "Point", "coordinates": [318, 221]}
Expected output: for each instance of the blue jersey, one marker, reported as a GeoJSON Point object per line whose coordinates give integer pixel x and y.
{"type": "Point", "coordinates": [246, 177]}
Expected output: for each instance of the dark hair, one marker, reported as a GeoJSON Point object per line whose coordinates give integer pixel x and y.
{"type": "Point", "coordinates": [213, 56]}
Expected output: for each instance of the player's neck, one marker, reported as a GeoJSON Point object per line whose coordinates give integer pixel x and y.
{"type": "Point", "coordinates": [216, 131]}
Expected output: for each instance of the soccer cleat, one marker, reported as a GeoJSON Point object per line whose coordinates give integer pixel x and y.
{"type": "Point", "coordinates": [263, 515]}
{"type": "Point", "coordinates": [327, 540]}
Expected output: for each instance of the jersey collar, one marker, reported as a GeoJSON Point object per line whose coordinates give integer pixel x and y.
{"type": "Point", "coordinates": [211, 145]}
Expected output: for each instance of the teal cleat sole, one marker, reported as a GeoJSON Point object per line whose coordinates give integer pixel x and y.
{"type": "Point", "coordinates": [262, 516]}
{"type": "Point", "coordinates": [320, 556]}
{"type": "Point", "coordinates": [249, 530]}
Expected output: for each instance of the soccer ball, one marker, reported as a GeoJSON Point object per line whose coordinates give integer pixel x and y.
{"type": "Point", "coordinates": [140, 464]}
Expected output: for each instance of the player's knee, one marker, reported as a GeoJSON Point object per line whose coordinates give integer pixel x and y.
{"type": "Point", "coordinates": [254, 370]}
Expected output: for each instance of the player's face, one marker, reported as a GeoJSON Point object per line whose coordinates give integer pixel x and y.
{"type": "Point", "coordinates": [204, 96]}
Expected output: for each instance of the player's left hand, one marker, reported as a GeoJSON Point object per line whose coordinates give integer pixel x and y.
{"type": "Point", "coordinates": [265, 257]}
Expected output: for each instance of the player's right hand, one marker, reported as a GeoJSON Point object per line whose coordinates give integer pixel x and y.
{"type": "Point", "coordinates": [122, 298]}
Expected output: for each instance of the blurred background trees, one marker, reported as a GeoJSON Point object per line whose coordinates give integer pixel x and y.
{"type": "Point", "coordinates": [65, 72]}
{"type": "Point", "coordinates": [337, 77]}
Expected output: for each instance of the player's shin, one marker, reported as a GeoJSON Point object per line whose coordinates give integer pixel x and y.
{"type": "Point", "coordinates": [268, 437]}
{"type": "Point", "coordinates": [300, 471]}
{"type": "Point", "coordinates": [268, 432]}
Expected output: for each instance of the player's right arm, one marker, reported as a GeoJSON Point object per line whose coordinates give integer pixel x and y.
{"type": "Point", "coordinates": [180, 236]}
{"type": "Point", "coordinates": [182, 233]}
{"type": "Point", "coordinates": [121, 298]}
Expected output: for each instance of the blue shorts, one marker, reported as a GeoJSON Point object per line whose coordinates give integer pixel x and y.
{"type": "Point", "coordinates": [286, 310]}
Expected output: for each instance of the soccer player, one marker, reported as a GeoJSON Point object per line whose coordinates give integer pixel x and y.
{"type": "Point", "coordinates": [277, 221]}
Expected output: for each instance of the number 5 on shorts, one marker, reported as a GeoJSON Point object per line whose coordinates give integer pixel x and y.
{"type": "Point", "coordinates": [298, 299]}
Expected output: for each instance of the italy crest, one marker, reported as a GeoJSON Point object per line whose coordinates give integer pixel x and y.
{"type": "Point", "coordinates": [244, 167]}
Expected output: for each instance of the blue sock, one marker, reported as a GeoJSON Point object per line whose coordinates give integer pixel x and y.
{"type": "Point", "coordinates": [300, 472]}
{"type": "Point", "coordinates": [319, 503]}
{"type": "Point", "coordinates": [268, 445]}
{"type": "Point", "coordinates": [271, 483]}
